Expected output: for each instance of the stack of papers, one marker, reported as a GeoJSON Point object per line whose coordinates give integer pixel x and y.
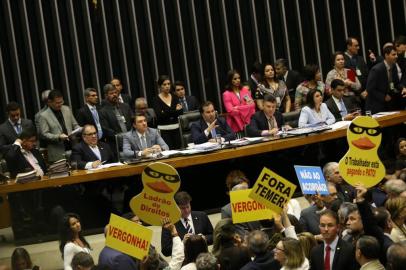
{"type": "Point", "coordinates": [23, 178]}
{"type": "Point", "coordinates": [208, 146]}
{"type": "Point", "coordinates": [108, 165]}
{"type": "Point", "coordinates": [59, 168]}
{"type": "Point", "coordinates": [246, 140]}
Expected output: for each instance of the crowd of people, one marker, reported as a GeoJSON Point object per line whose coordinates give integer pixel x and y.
{"type": "Point", "coordinates": [327, 235]}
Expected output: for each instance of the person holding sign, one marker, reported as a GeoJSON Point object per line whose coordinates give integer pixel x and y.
{"type": "Point", "coordinates": [333, 253]}
{"type": "Point", "coordinates": [191, 222]}
{"type": "Point", "coordinates": [142, 141]}
{"type": "Point", "coordinates": [268, 121]}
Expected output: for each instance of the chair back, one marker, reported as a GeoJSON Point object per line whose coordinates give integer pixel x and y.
{"type": "Point", "coordinates": [291, 118]}
{"type": "Point", "coordinates": [185, 121]}
{"type": "Point", "coordinates": [119, 146]}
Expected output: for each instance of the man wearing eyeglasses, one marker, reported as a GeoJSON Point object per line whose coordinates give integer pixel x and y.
{"type": "Point", "coordinates": [91, 153]}
{"type": "Point", "coordinates": [334, 253]}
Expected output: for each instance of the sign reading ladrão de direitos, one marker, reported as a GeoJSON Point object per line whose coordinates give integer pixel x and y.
{"type": "Point", "coordinates": [272, 190]}
{"type": "Point", "coordinates": [161, 181]}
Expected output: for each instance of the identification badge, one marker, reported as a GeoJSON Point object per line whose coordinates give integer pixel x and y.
{"type": "Point", "coordinates": [278, 100]}
{"type": "Point", "coordinates": [391, 86]}
{"type": "Point", "coordinates": [358, 72]}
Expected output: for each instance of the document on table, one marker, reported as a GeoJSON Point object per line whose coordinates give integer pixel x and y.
{"type": "Point", "coordinates": [108, 165]}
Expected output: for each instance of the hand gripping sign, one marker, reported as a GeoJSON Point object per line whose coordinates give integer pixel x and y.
{"type": "Point", "coordinates": [361, 163]}
{"type": "Point", "coordinates": [161, 181]}
{"type": "Point", "coordinates": [128, 237]}
{"type": "Point", "coordinates": [272, 190]}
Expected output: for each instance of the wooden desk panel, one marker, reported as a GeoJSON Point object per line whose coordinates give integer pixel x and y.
{"type": "Point", "coordinates": [186, 161]}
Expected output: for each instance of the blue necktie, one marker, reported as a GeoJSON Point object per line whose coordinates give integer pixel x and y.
{"type": "Point", "coordinates": [213, 133]}
{"type": "Point", "coordinates": [343, 110]}
{"type": "Point", "coordinates": [17, 128]}
{"type": "Point", "coordinates": [97, 121]}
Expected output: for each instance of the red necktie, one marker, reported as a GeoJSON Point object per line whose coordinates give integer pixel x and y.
{"type": "Point", "coordinates": [327, 258]}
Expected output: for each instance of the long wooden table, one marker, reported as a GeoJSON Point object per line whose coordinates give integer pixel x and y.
{"type": "Point", "coordinates": [184, 161]}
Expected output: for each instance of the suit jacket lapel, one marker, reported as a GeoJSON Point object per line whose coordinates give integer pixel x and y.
{"type": "Point", "coordinates": [137, 140]}
{"type": "Point", "coordinates": [196, 224]}
{"type": "Point", "coordinates": [54, 119]}
{"type": "Point", "coordinates": [337, 253]}
{"type": "Point", "coordinates": [90, 152]}
{"type": "Point", "coordinates": [11, 128]}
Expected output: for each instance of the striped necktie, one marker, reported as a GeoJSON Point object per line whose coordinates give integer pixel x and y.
{"type": "Point", "coordinates": [187, 226]}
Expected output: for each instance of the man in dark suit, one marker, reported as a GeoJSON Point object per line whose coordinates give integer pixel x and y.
{"type": "Point", "coordinates": [266, 122]}
{"type": "Point", "coordinates": [13, 126]}
{"type": "Point", "coordinates": [141, 107]}
{"type": "Point", "coordinates": [22, 156]}
{"type": "Point", "coordinates": [122, 98]}
{"type": "Point", "coordinates": [191, 222]}
{"type": "Point", "coordinates": [355, 61]}
{"type": "Point", "coordinates": [142, 141]}
{"type": "Point", "coordinates": [115, 116]}
{"type": "Point", "coordinates": [291, 78]}
{"type": "Point", "coordinates": [90, 113]}
{"type": "Point", "coordinates": [339, 105]}
{"type": "Point", "coordinates": [382, 82]}
{"type": "Point", "coordinates": [210, 125]}
{"type": "Point", "coordinates": [310, 216]}
{"type": "Point", "coordinates": [189, 103]}
{"type": "Point", "coordinates": [333, 253]}
{"type": "Point", "coordinates": [91, 153]}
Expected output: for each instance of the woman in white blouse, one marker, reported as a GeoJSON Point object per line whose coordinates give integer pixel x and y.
{"type": "Point", "coordinates": [71, 239]}
{"type": "Point", "coordinates": [315, 112]}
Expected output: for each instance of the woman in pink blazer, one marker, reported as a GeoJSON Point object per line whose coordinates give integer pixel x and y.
{"type": "Point", "coordinates": [238, 102]}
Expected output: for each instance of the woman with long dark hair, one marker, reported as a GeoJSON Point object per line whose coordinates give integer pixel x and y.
{"type": "Point", "coordinates": [71, 240]}
{"type": "Point", "coordinates": [167, 109]}
{"type": "Point", "coordinates": [20, 260]}
{"type": "Point", "coordinates": [270, 85]}
{"type": "Point", "coordinates": [238, 102]}
{"type": "Point", "coordinates": [194, 245]}
{"type": "Point", "coordinates": [315, 112]}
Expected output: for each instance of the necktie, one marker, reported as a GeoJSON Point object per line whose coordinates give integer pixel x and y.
{"type": "Point", "coordinates": [187, 226]}
{"type": "Point", "coordinates": [390, 74]}
{"type": "Point", "coordinates": [120, 119]}
{"type": "Point", "coordinates": [97, 121]}
{"type": "Point", "coordinates": [213, 133]}
{"type": "Point", "coordinates": [184, 105]}
{"type": "Point", "coordinates": [327, 258]}
{"type": "Point", "coordinates": [18, 128]}
{"type": "Point", "coordinates": [143, 142]}
{"type": "Point", "coordinates": [343, 110]}
{"type": "Point", "coordinates": [271, 123]}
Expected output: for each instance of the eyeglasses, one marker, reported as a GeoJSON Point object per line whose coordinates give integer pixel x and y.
{"type": "Point", "coordinates": [90, 134]}
{"type": "Point", "coordinates": [371, 131]}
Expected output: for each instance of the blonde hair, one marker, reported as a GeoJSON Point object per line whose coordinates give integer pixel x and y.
{"type": "Point", "coordinates": [293, 253]}
{"type": "Point", "coordinates": [307, 241]}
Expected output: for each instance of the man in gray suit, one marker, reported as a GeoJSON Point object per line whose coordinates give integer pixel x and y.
{"type": "Point", "coordinates": [13, 126]}
{"type": "Point", "coordinates": [142, 141]}
{"type": "Point", "coordinates": [56, 125]}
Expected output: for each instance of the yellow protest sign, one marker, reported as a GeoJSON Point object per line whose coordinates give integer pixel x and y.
{"type": "Point", "coordinates": [272, 190]}
{"type": "Point", "coordinates": [245, 209]}
{"type": "Point", "coordinates": [161, 181]}
{"type": "Point", "coordinates": [361, 164]}
{"type": "Point", "coordinates": [128, 237]}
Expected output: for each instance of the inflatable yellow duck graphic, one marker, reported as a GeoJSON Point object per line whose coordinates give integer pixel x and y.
{"type": "Point", "coordinates": [161, 181]}
{"type": "Point", "coordinates": [361, 164]}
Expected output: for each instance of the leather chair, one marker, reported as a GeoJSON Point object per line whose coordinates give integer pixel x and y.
{"type": "Point", "coordinates": [185, 121]}
{"type": "Point", "coordinates": [119, 146]}
{"type": "Point", "coordinates": [291, 118]}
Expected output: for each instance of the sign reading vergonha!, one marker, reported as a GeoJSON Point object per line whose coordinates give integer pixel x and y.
{"type": "Point", "coordinates": [245, 209]}
{"type": "Point", "coordinates": [272, 190]}
{"type": "Point", "coordinates": [128, 237]}
{"type": "Point", "coordinates": [311, 180]}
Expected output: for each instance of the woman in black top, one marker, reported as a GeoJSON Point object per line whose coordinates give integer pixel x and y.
{"type": "Point", "coordinates": [167, 109]}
